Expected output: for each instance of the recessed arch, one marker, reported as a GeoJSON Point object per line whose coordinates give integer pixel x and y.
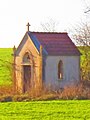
{"type": "Point", "coordinates": [26, 58]}
{"type": "Point", "coordinates": [27, 71]}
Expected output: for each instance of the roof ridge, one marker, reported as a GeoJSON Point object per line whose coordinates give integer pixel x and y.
{"type": "Point", "coordinates": [49, 32]}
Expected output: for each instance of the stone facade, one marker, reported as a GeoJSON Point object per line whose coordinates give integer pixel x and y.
{"type": "Point", "coordinates": [32, 61]}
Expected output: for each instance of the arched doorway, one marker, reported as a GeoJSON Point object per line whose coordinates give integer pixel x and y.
{"type": "Point", "coordinates": [27, 68]}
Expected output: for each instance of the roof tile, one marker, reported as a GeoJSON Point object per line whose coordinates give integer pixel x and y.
{"type": "Point", "coordinates": [56, 43]}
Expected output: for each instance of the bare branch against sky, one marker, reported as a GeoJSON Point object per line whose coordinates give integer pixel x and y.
{"type": "Point", "coordinates": [50, 25]}
{"type": "Point", "coordinates": [87, 6]}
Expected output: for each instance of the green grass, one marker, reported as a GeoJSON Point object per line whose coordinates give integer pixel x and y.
{"type": "Point", "coordinates": [5, 66]}
{"type": "Point", "coordinates": [45, 110]}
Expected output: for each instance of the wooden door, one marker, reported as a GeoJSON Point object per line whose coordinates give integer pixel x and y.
{"type": "Point", "coordinates": [27, 78]}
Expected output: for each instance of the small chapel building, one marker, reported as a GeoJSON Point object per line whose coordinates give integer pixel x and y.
{"type": "Point", "coordinates": [48, 59]}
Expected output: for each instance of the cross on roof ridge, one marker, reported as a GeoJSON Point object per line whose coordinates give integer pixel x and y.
{"type": "Point", "coordinates": [28, 26]}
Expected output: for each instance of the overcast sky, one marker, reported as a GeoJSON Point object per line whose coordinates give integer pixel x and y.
{"type": "Point", "coordinates": [14, 15]}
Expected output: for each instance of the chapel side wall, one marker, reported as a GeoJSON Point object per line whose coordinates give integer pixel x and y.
{"type": "Point", "coordinates": [28, 47]}
{"type": "Point", "coordinates": [71, 70]}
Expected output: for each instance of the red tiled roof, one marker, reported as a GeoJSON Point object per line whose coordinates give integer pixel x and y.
{"type": "Point", "coordinates": [57, 43]}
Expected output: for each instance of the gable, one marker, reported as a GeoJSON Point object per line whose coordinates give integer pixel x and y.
{"type": "Point", "coordinates": [36, 44]}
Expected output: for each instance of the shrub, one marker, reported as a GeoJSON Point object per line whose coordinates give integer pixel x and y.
{"type": "Point", "coordinates": [22, 97]}
{"type": "Point", "coordinates": [75, 92]}
{"type": "Point", "coordinates": [6, 90]}
{"type": "Point", "coordinates": [80, 91]}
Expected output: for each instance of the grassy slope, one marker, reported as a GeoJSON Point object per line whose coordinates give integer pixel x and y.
{"type": "Point", "coordinates": [5, 66]}
{"type": "Point", "coordinates": [45, 110]}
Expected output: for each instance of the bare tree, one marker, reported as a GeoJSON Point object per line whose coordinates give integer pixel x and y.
{"type": "Point", "coordinates": [82, 37]}
{"type": "Point", "coordinates": [50, 26]}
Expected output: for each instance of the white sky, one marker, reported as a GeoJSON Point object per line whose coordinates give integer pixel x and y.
{"type": "Point", "coordinates": [14, 15]}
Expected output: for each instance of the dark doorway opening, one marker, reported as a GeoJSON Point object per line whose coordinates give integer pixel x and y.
{"type": "Point", "coordinates": [27, 78]}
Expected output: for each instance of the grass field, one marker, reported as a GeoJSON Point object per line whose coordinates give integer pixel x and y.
{"type": "Point", "coordinates": [45, 110]}
{"type": "Point", "coordinates": [5, 66]}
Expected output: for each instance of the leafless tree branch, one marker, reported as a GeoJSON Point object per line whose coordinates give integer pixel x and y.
{"type": "Point", "coordinates": [49, 26]}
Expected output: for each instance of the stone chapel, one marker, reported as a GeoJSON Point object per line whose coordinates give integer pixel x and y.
{"type": "Point", "coordinates": [47, 59]}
